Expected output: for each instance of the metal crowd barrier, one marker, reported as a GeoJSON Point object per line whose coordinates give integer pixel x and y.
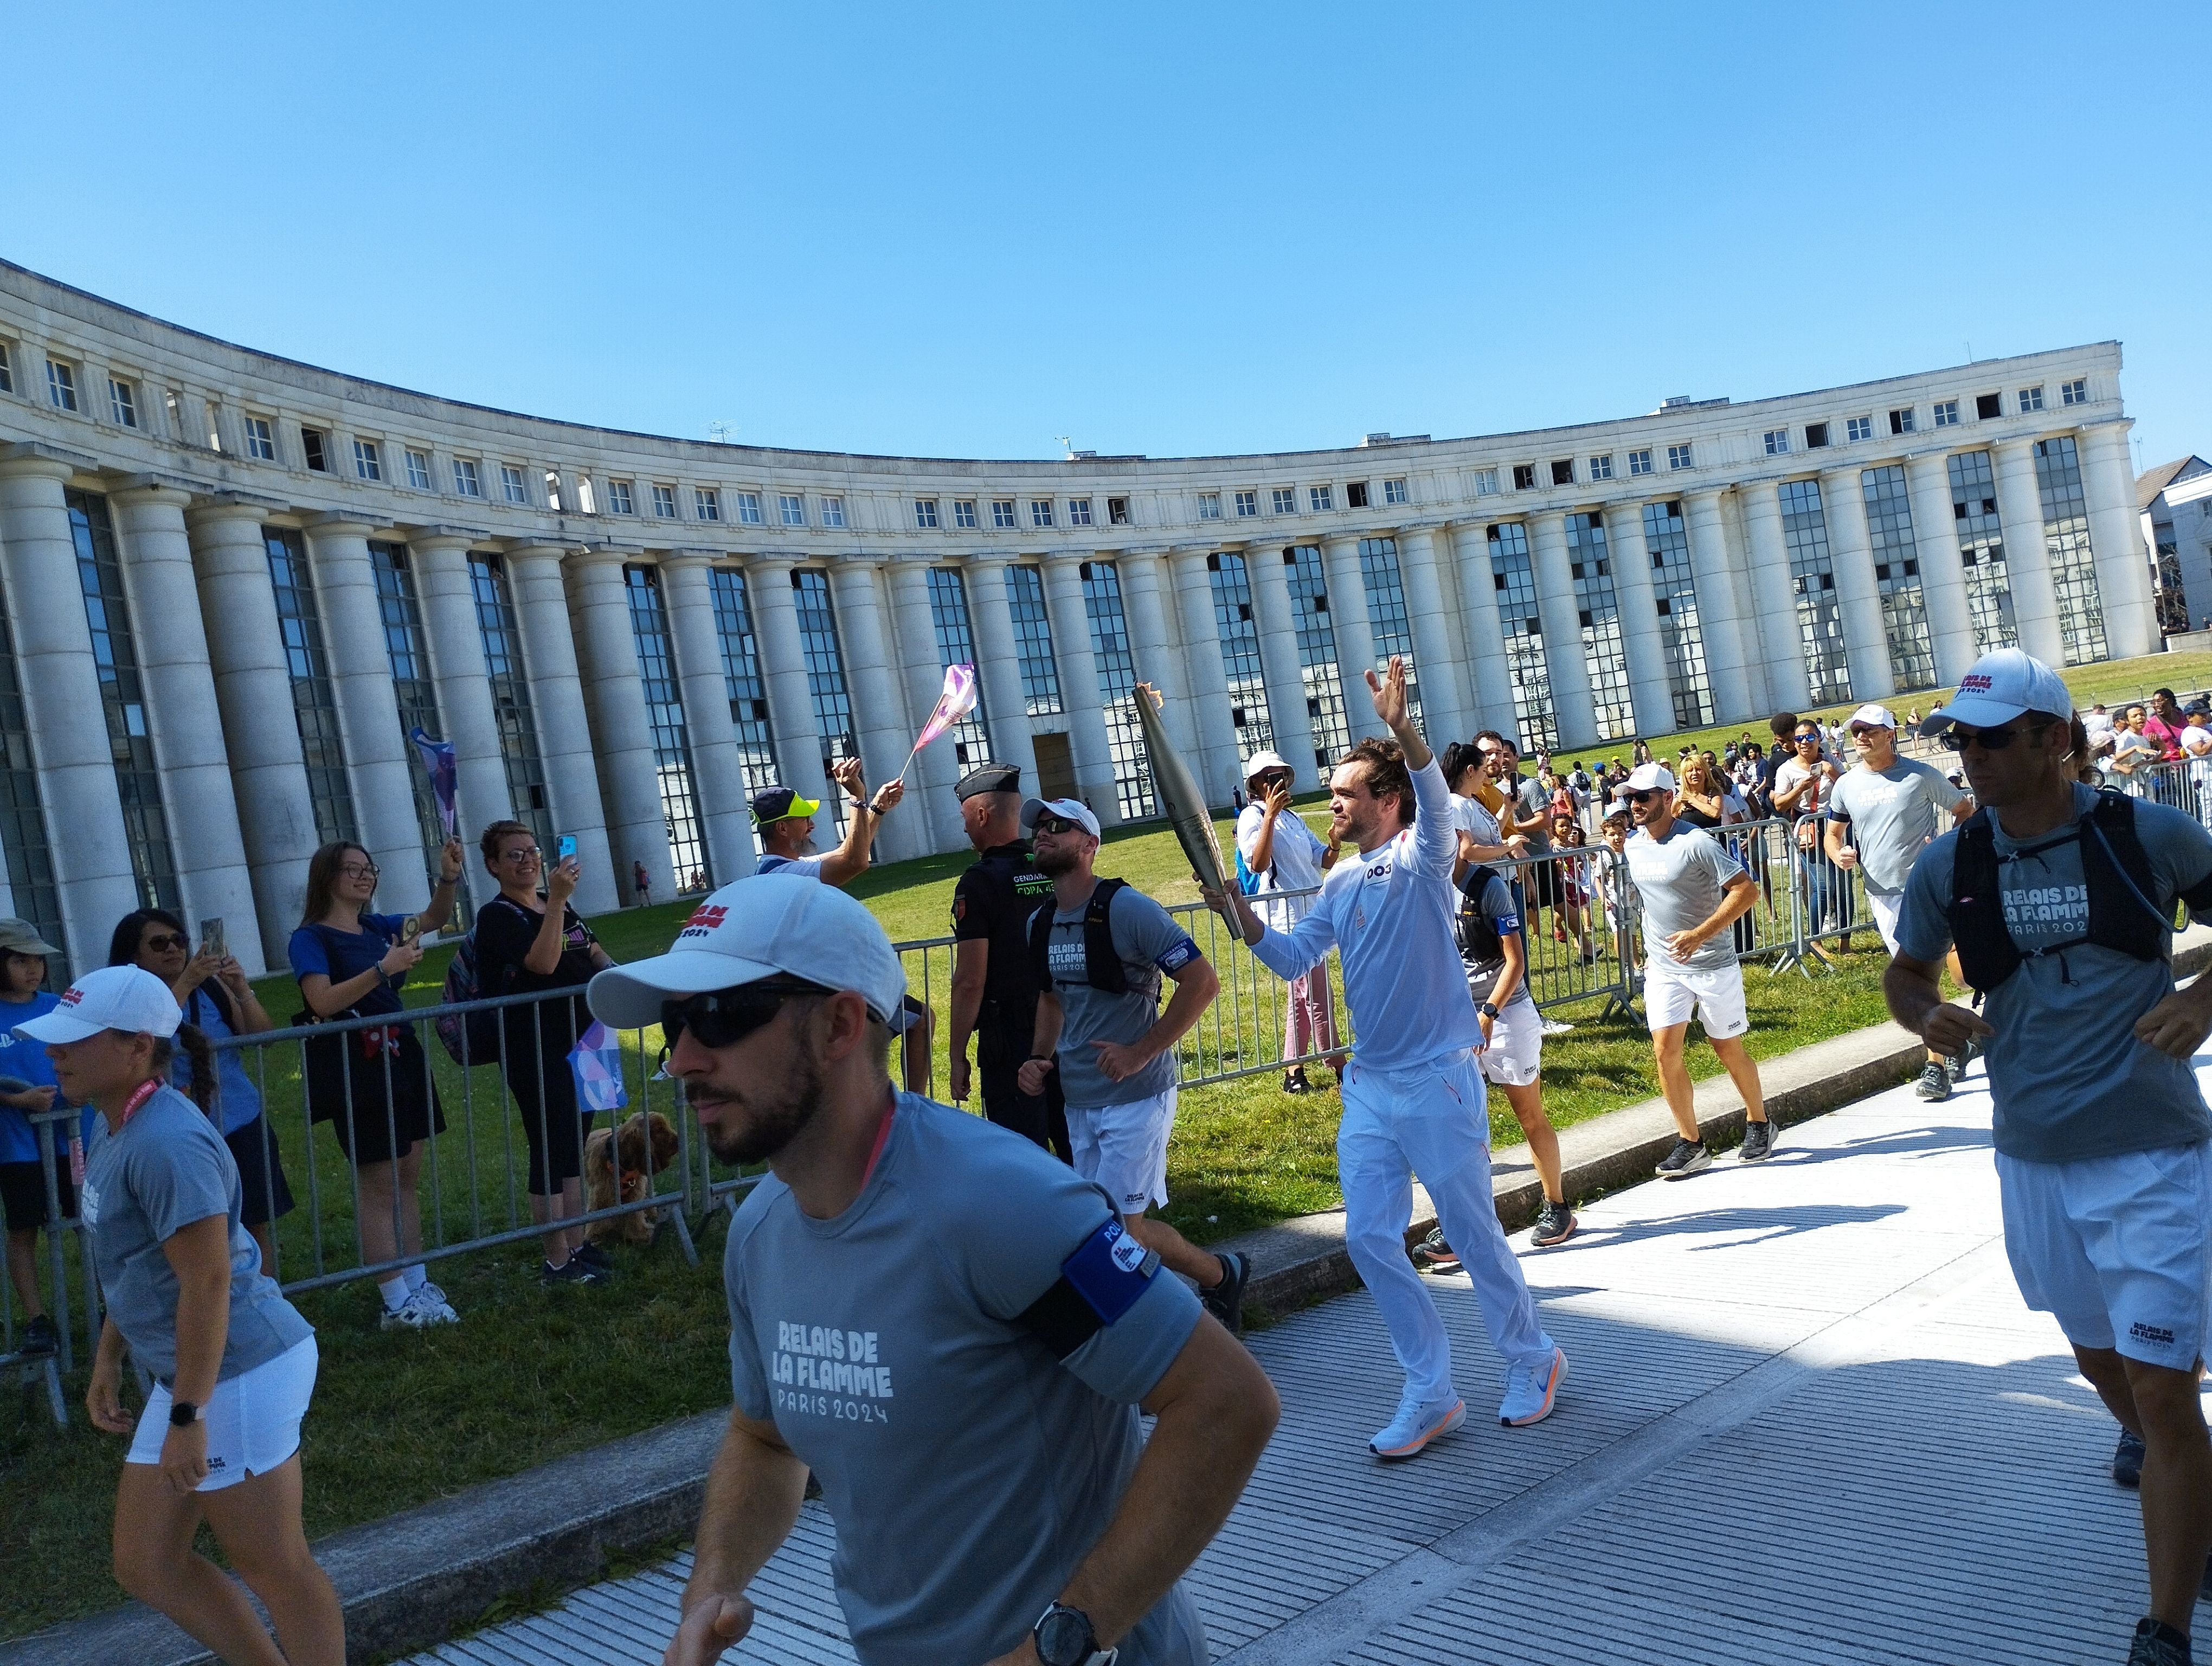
{"type": "Point", "coordinates": [2185, 784]}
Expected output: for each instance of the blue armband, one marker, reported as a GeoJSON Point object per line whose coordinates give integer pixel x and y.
{"type": "Point", "coordinates": [1097, 1284]}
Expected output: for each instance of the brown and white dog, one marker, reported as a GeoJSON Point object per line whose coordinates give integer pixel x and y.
{"type": "Point", "coordinates": [599, 1151]}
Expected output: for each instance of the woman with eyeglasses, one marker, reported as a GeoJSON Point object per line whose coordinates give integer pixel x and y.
{"type": "Point", "coordinates": [217, 1001]}
{"type": "Point", "coordinates": [527, 943]}
{"type": "Point", "coordinates": [373, 1084]}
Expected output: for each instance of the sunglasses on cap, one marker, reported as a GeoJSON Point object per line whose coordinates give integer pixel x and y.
{"type": "Point", "coordinates": [1990, 740]}
{"type": "Point", "coordinates": [722, 1017]}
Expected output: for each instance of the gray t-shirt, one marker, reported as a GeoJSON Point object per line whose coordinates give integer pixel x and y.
{"type": "Point", "coordinates": [796, 867]}
{"type": "Point", "coordinates": [167, 1169]}
{"type": "Point", "coordinates": [2068, 1078]}
{"type": "Point", "coordinates": [1149, 942]}
{"type": "Point", "coordinates": [1679, 881]}
{"type": "Point", "coordinates": [1532, 804]}
{"type": "Point", "coordinates": [969, 1470]}
{"type": "Point", "coordinates": [1892, 814]}
{"type": "Point", "coordinates": [1496, 904]}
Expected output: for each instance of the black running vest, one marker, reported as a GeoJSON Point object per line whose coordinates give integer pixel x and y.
{"type": "Point", "coordinates": [1102, 967]}
{"type": "Point", "coordinates": [1480, 942]}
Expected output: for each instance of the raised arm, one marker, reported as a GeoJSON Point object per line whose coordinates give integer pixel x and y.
{"type": "Point", "coordinates": [849, 860]}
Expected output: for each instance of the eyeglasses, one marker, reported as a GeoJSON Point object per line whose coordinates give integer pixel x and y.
{"type": "Point", "coordinates": [358, 871]}
{"type": "Point", "coordinates": [1054, 824]}
{"type": "Point", "coordinates": [162, 942]}
{"type": "Point", "coordinates": [520, 853]}
{"type": "Point", "coordinates": [721, 1018]}
{"type": "Point", "coordinates": [1990, 740]}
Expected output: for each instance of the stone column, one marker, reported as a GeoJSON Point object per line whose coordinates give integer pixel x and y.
{"type": "Point", "coordinates": [1943, 574]}
{"type": "Point", "coordinates": [1720, 626]}
{"type": "Point", "coordinates": [253, 691]}
{"type": "Point", "coordinates": [879, 713]}
{"type": "Point", "coordinates": [1489, 675]}
{"type": "Point", "coordinates": [998, 668]}
{"type": "Point", "coordinates": [1858, 593]}
{"type": "Point", "coordinates": [929, 807]}
{"type": "Point", "coordinates": [1217, 762]}
{"type": "Point", "coordinates": [1775, 595]}
{"type": "Point", "coordinates": [614, 692]}
{"type": "Point", "coordinates": [447, 589]}
{"type": "Point", "coordinates": [1347, 612]}
{"type": "Point", "coordinates": [378, 759]}
{"type": "Point", "coordinates": [1650, 693]}
{"type": "Point", "coordinates": [1566, 666]}
{"type": "Point", "coordinates": [180, 701]}
{"type": "Point", "coordinates": [1154, 648]}
{"type": "Point", "coordinates": [564, 731]}
{"type": "Point", "coordinates": [2123, 578]}
{"type": "Point", "coordinates": [783, 674]}
{"type": "Point", "coordinates": [1442, 704]}
{"type": "Point", "coordinates": [717, 776]}
{"type": "Point", "coordinates": [1078, 687]}
{"type": "Point", "coordinates": [1280, 666]}
{"type": "Point", "coordinates": [2028, 554]}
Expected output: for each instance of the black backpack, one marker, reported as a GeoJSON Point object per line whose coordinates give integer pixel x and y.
{"type": "Point", "coordinates": [1102, 966]}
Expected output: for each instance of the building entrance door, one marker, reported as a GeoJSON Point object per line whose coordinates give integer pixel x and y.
{"type": "Point", "coordinates": [1055, 767]}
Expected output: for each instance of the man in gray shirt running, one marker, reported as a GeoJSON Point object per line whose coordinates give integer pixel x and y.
{"type": "Point", "coordinates": [950, 1330]}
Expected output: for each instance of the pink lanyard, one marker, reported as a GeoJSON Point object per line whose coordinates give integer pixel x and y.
{"type": "Point", "coordinates": [145, 1090]}
{"type": "Point", "coordinates": [883, 1137]}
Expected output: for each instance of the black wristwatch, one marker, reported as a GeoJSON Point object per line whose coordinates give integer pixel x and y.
{"type": "Point", "coordinates": [1487, 1010]}
{"type": "Point", "coordinates": [183, 1414]}
{"type": "Point", "coordinates": [1063, 1637]}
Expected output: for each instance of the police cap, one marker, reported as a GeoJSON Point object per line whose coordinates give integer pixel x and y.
{"type": "Point", "coordinates": [988, 778]}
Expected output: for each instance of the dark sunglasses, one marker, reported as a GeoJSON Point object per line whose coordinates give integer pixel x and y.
{"type": "Point", "coordinates": [162, 942]}
{"type": "Point", "coordinates": [1641, 793]}
{"type": "Point", "coordinates": [1990, 740]}
{"type": "Point", "coordinates": [1802, 738]}
{"type": "Point", "coordinates": [1054, 824]}
{"type": "Point", "coordinates": [722, 1017]}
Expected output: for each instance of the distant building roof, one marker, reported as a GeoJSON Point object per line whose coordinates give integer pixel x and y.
{"type": "Point", "coordinates": [2151, 482]}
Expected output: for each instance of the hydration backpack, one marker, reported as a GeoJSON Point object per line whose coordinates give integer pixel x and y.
{"type": "Point", "coordinates": [1102, 967]}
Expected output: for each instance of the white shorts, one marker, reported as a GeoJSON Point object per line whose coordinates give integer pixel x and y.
{"type": "Point", "coordinates": [1124, 1148]}
{"type": "Point", "coordinates": [1515, 1057]}
{"type": "Point", "coordinates": [1672, 994]}
{"type": "Point", "coordinates": [2118, 1249]}
{"type": "Point", "coordinates": [1885, 910]}
{"type": "Point", "coordinates": [253, 1419]}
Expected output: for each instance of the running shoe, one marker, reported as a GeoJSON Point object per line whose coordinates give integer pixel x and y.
{"type": "Point", "coordinates": [1531, 1389]}
{"type": "Point", "coordinates": [418, 1312]}
{"type": "Point", "coordinates": [1685, 1160]}
{"type": "Point", "coordinates": [2127, 1459]}
{"type": "Point", "coordinates": [1225, 1300]}
{"type": "Point", "coordinates": [1935, 1081]}
{"type": "Point", "coordinates": [40, 1338]}
{"type": "Point", "coordinates": [2158, 1644]}
{"type": "Point", "coordinates": [1555, 1224]}
{"type": "Point", "coordinates": [575, 1270]}
{"type": "Point", "coordinates": [1959, 1064]}
{"type": "Point", "coordinates": [597, 1259]}
{"type": "Point", "coordinates": [1758, 1142]}
{"type": "Point", "coordinates": [1417, 1423]}
{"type": "Point", "coordinates": [435, 1292]}
{"type": "Point", "coordinates": [1433, 1255]}
{"type": "Point", "coordinates": [1296, 1083]}
{"type": "Point", "coordinates": [1553, 1027]}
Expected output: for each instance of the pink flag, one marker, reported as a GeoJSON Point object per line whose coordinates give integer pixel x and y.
{"type": "Point", "coordinates": [954, 703]}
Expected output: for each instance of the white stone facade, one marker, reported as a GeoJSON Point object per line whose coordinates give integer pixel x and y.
{"type": "Point", "coordinates": [234, 582]}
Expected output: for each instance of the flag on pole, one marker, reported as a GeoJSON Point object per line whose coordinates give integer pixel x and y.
{"type": "Point", "coordinates": [595, 1064]}
{"type": "Point", "coordinates": [439, 761]}
{"type": "Point", "coordinates": [956, 703]}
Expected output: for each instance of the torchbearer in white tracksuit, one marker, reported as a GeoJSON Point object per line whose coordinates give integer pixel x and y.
{"type": "Point", "coordinates": [1413, 1097]}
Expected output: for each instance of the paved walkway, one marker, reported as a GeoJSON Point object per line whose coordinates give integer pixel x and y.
{"type": "Point", "coordinates": [1808, 1420]}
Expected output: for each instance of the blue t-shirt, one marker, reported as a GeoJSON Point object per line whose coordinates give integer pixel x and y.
{"type": "Point", "coordinates": [238, 1102]}
{"type": "Point", "coordinates": [26, 1061]}
{"type": "Point", "coordinates": [339, 955]}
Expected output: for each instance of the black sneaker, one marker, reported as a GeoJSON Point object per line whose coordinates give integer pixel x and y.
{"type": "Point", "coordinates": [1296, 1083]}
{"type": "Point", "coordinates": [575, 1270]}
{"type": "Point", "coordinates": [597, 1259]}
{"type": "Point", "coordinates": [1555, 1224]}
{"type": "Point", "coordinates": [2127, 1459]}
{"type": "Point", "coordinates": [1685, 1160]}
{"type": "Point", "coordinates": [1758, 1142]}
{"type": "Point", "coordinates": [1935, 1081]}
{"type": "Point", "coordinates": [1433, 1255]}
{"type": "Point", "coordinates": [40, 1338]}
{"type": "Point", "coordinates": [1959, 1064]}
{"type": "Point", "coordinates": [1225, 1300]}
{"type": "Point", "coordinates": [2158, 1644]}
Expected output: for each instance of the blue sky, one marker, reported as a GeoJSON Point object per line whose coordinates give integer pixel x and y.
{"type": "Point", "coordinates": [969, 230]}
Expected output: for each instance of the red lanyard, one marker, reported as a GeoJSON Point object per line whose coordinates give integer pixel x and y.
{"type": "Point", "coordinates": [144, 1092]}
{"type": "Point", "coordinates": [876, 1151]}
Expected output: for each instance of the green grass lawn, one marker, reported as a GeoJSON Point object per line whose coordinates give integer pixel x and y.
{"type": "Point", "coordinates": [400, 1418]}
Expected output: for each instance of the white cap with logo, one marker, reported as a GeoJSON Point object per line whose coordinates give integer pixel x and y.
{"type": "Point", "coordinates": [1646, 778]}
{"type": "Point", "coordinates": [126, 998]}
{"type": "Point", "coordinates": [1871, 717]}
{"type": "Point", "coordinates": [772, 925]}
{"type": "Point", "coordinates": [2000, 687]}
{"type": "Point", "coordinates": [1068, 809]}
{"type": "Point", "coordinates": [1264, 762]}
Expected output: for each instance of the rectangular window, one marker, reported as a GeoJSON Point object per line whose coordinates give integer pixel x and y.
{"type": "Point", "coordinates": [705, 503]}
{"type": "Point", "coordinates": [1900, 422]}
{"type": "Point", "coordinates": [1486, 483]}
{"type": "Point", "coordinates": [1117, 512]}
{"type": "Point", "coordinates": [664, 502]}
{"type": "Point", "coordinates": [833, 512]}
{"type": "Point", "coordinates": [1982, 552]}
{"type": "Point", "coordinates": [123, 402]}
{"type": "Point", "coordinates": [1816, 436]}
{"type": "Point", "coordinates": [512, 486]}
{"type": "Point", "coordinates": [1117, 676]}
{"type": "Point", "coordinates": [123, 700]}
{"type": "Point", "coordinates": [510, 697]}
{"type": "Point", "coordinates": [925, 512]}
{"type": "Point", "coordinates": [259, 441]}
{"type": "Point", "coordinates": [664, 721]}
{"type": "Point", "coordinates": [1820, 613]}
{"type": "Point", "coordinates": [61, 385]}
{"type": "Point", "coordinates": [466, 482]}
{"type": "Point", "coordinates": [963, 513]}
{"type": "Point", "coordinates": [1678, 457]}
{"type": "Point", "coordinates": [1355, 495]}
{"type": "Point", "coordinates": [1946, 413]}
{"type": "Point", "coordinates": [2030, 399]}
{"type": "Point", "coordinates": [2075, 392]}
{"type": "Point", "coordinates": [1318, 674]}
{"type": "Point", "coordinates": [1524, 476]}
{"type": "Point", "coordinates": [1286, 500]}
{"type": "Point", "coordinates": [7, 379]}
{"type": "Point", "coordinates": [741, 678]}
{"type": "Point", "coordinates": [1033, 641]}
{"type": "Point", "coordinates": [1601, 467]}
{"type": "Point", "coordinates": [1231, 581]}
{"type": "Point", "coordinates": [1247, 504]}
{"type": "Point", "coordinates": [1514, 577]}
{"type": "Point", "coordinates": [2066, 537]}
{"type": "Point", "coordinates": [1858, 428]}
{"type": "Point", "coordinates": [1639, 462]}
{"type": "Point", "coordinates": [1321, 499]}
{"type": "Point", "coordinates": [367, 462]}
{"type": "Point", "coordinates": [1209, 506]}
{"type": "Point", "coordinates": [621, 498]}
{"type": "Point", "coordinates": [825, 675]}
{"type": "Point", "coordinates": [1040, 512]}
{"type": "Point", "coordinates": [418, 470]}
{"type": "Point", "coordinates": [1002, 514]}
{"type": "Point", "coordinates": [405, 650]}
{"type": "Point", "coordinates": [1598, 612]}
{"type": "Point", "coordinates": [1386, 612]}
{"type": "Point", "coordinates": [791, 508]}
{"type": "Point", "coordinates": [1777, 442]}
{"type": "Point", "coordinates": [749, 509]}
{"type": "Point", "coordinates": [1079, 512]}
{"type": "Point", "coordinates": [1988, 406]}
{"type": "Point", "coordinates": [1394, 491]}
{"type": "Point", "coordinates": [314, 707]}
{"type": "Point", "coordinates": [1897, 576]}
{"type": "Point", "coordinates": [956, 646]}
{"type": "Point", "coordinates": [315, 450]}
{"type": "Point", "coordinates": [1563, 471]}
{"type": "Point", "coordinates": [1680, 630]}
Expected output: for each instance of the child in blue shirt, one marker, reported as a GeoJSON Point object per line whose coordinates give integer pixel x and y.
{"type": "Point", "coordinates": [27, 1084]}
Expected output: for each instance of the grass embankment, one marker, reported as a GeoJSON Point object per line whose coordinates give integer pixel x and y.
{"type": "Point", "coordinates": [527, 1376]}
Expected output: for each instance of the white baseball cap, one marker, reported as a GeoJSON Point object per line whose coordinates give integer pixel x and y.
{"type": "Point", "coordinates": [773, 925]}
{"type": "Point", "coordinates": [1260, 762]}
{"type": "Point", "coordinates": [1644, 778]}
{"type": "Point", "coordinates": [126, 998]}
{"type": "Point", "coordinates": [2000, 687]}
{"type": "Point", "coordinates": [1872, 717]}
{"type": "Point", "coordinates": [1070, 810]}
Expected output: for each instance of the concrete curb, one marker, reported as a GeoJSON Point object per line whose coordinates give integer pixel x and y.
{"type": "Point", "coordinates": [413, 1579]}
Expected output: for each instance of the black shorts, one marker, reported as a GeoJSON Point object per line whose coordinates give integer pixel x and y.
{"type": "Point", "coordinates": [264, 1191]}
{"type": "Point", "coordinates": [23, 1189]}
{"type": "Point", "coordinates": [1547, 885]}
{"type": "Point", "coordinates": [393, 1103]}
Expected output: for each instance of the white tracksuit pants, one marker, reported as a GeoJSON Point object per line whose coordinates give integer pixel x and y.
{"type": "Point", "coordinates": [1432, 1121]}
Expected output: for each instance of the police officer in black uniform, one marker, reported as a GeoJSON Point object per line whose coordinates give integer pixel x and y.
{"type": "Point", "coordinates": [994, 994]}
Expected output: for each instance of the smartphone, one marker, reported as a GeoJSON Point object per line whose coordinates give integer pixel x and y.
{"type": "Point", "coordinates": [565, 849]}
{"type": "Point", "coordinates": [211, 937]}
{"type": "Point", "coordinates": [411, 930]}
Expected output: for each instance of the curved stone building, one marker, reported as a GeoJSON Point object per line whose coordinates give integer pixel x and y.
{"type": "Point", "coordinates": [233, 584]}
